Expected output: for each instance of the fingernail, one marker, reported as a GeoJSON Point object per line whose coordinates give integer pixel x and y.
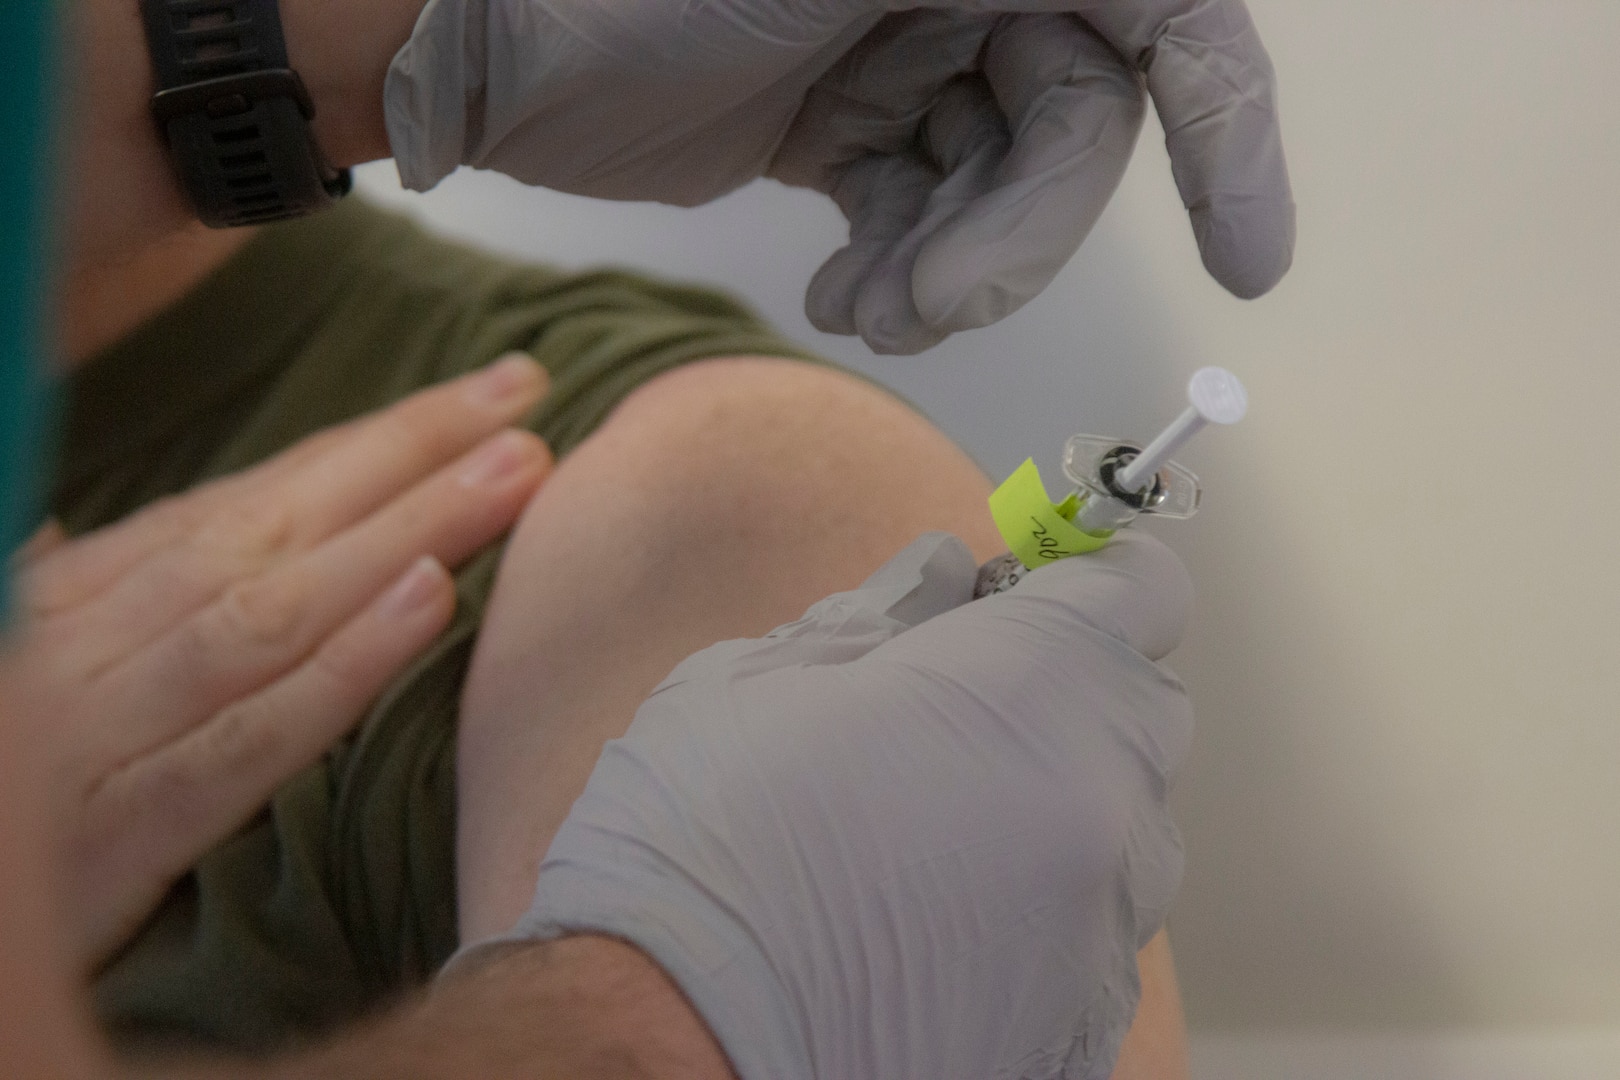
{"type": "Point", "coordinates": [497, 458]}
{"type": "Point", "coordinates": [419, 585]}
{"type": "Point", "coordinates": [508, 379]}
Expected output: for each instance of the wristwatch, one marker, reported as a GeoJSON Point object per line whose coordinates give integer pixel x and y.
{"type": "Point", "coordinates": [234, 115]}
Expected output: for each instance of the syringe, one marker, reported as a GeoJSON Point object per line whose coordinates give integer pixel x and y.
{"type": "Point", "coordinates": [1115, 481]}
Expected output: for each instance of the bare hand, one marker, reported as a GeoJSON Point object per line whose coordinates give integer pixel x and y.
{"type": "Point", "coordinates": [193, 656]}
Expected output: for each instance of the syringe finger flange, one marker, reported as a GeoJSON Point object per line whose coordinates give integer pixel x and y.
{"type": "Point", "coordinates": [1113, 463]}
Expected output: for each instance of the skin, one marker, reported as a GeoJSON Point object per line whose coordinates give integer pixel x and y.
{"type": "Point", "coordinates": [341, 50]}
{"type": "Point", "coordinates": [593, 1009]}
{"type": "Point", "coordinates": [731, 458]}
{"type": "Point", "coordinates": [100, 301]}
{"type": "Point", "coordinates": [744, 465]}
{"type": "Point", "coordinates": [133, 732]}
{"type": "Point", "coordinates": [235, 631]}
{"type": "Point", "coordinates": [761, 442]}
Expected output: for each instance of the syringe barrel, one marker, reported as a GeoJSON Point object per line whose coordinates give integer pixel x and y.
{"type": "Point", "coordinates": [1100, 514]}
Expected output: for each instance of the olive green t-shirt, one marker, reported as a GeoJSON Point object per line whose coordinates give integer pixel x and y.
{"type": "Point", "coordinates": [341, 892]}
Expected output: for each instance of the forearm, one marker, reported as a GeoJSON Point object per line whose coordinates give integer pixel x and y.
{"type": "Point", "coordinates": [577, 1009]}
{"type": "Point", "coordinates": [124, 194]}
{"type": "Point", "coordinates": [584, 1008]}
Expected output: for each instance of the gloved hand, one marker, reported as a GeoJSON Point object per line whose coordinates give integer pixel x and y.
{"type": "Point", "coordinates": [971, 149]}
{"type": "Point", "coordinates": [906, 836]}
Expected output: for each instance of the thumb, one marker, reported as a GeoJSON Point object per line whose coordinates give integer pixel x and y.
{"type": "Point", "coordinates": [935, 573]}
{"type": "Point", "coordinates": [932, 575]}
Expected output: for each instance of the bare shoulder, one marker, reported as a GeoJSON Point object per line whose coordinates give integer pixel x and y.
{"type": "Point", "coordinates": [810, 429]}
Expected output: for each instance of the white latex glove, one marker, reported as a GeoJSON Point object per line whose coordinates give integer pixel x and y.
{"type": "Point", "coordinates": [971, 143]}
{"type": "Point", "coordinates": [906, 836]}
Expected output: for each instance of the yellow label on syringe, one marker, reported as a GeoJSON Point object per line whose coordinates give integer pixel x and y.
{"type": "Point", "coordinates": [1036, 530]}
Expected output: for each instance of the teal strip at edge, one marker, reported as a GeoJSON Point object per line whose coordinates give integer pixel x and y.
{"type": "Point", "coordinates": [27, 63]}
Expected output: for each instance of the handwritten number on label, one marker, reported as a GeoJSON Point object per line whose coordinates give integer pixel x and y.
{"type": "Point", "coordinates": [1049, 544]}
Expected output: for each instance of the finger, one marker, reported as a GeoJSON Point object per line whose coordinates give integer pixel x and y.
{"type": "Point", "coordinates": [47, 538]}
{"type": "Point", "coordinates": [78, 572]}
{"type": "Point", "coordinates": [930, 576]}
{"type": "Point", "coordinates": [1134, 590]}
{"type": "Point", "coordinates": [1216, 94]}
{"type": "Point", "coordinates": [263, 627]}
{"type": "Point", "coordinates": [875, 99]}
{"type": "Point", "coordinates": [303, 494]}
{"type": "Point", "coordinates": [884, 197]}
{"type": "Point", "coordinates": [859, 137]}
{"type": "Point", "coordinates": [1074, 107]}
{"type": "Point", "coordinates": [167, 809]}
{"type": "Point", "coordinates": [393, 448]}
{"type": "Point", "coordinates": [1087, 630]}
{"type": "Point", "coordinates": [288, 509]}
{"type": "Point", "coordinates": [1067, 653]}
{"type": "Point", "coordinates": [895, 203]}
{"type": "Point", "coordinates": [965, 138]}
{"type": "Point", "coordinates": [23, 564]}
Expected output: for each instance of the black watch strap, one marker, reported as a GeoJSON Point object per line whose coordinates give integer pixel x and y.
{"type": "Point", "coordinates": [236, 118]}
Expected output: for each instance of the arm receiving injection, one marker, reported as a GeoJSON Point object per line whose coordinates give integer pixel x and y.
{"type": "Point", "coordinates": [610, 1010]}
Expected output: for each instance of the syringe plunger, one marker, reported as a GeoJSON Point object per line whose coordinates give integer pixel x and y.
{"type": "Point", "coordinates": [1214, 396]}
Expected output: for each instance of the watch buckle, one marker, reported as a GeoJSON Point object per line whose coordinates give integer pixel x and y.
{"type": "Point", "coordinates": [229, 95]}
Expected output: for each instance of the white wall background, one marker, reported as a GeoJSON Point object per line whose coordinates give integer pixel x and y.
{"type": "Point", "coordinates": [1401, 811]}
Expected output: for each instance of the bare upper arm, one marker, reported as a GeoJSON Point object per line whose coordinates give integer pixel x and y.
{"type": "Point", "coordinates": [717, 501]}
